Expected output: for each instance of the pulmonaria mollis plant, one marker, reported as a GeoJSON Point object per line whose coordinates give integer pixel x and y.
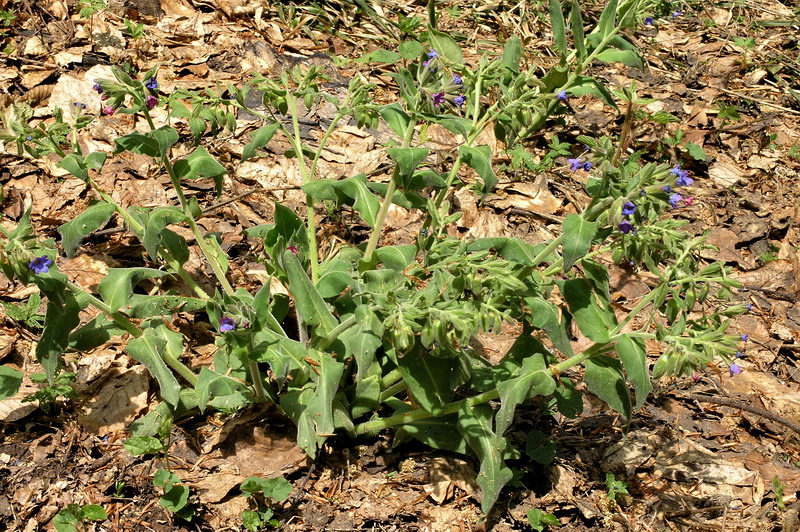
{"type": "Point", "coordinates": [372, 336]}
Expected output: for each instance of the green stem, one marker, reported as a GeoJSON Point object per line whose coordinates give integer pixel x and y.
{"type": "Point", "coordinates": [208, 252]}
{"type": "Point", "coordinates": [391, 391]}
{"type": "Point", "coordinates": [179, 367]}
{"type": "Point", "coordinates": [116, 316]}
{"type": "Point", "coordinates": [336, 332]}
{"type": "Point", "coordinates": [375, 236]}
{"type": "Point", "coordinates": [451, 408]}
{"type": "Point", "coordinates": [311, 228]}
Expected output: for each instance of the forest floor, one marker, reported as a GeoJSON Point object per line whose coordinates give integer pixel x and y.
{"type": "Point", "coordinates": [716, 452]}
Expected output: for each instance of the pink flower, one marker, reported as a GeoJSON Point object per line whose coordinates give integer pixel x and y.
{"type": "Point", "coordinates": [108, 110]}
{"type": "Point", "coordinates": [292, 249]}
{"type": "Point", "coordinates": [151, 101]}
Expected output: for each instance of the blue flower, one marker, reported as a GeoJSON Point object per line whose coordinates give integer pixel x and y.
{"type": "Point", "coordinates": [675, 199]}
{"type": "Point", "coordinates": [460, 100]}
{"type": "Point", "coordinates": [438, 99]}
{"type": "Point", "coordinates": [666, 188]}
{"type": "Point", "coordinates": [587, 166]}
{"type": "Point", "coordinates": [226, 325]}
{"type": "Point", "coordinates": [648, 21]}
{"type": "Point", "coordinates": [433, 53]}
{"type": "Point", "coordinates": [575, 164]}
{"type": "Point", "coordinates": [40, 265]}
{"type": "Point", "coordinates": [749, 307]}
{"type": "Point", "coordinates": [745, 337]}
{"type": "Point", "coordinates": [97, 88]}
{"type": "Point", "coordinates": [562, 95]}
{"type": "Point", "coordinates": [735, 369]}
{"type": "Point", "coordinates": [625, 226]}
{"type": "Point", "coordinates": [628, 208]}
{"type": "Point", "coordinates": [676, 14]}
{"type": "Point", "coordinates": [457, 79]}
{"type": "Point", "coordinates": [738, 354]}
{"type": "Point", "coordinates": [151, 84]}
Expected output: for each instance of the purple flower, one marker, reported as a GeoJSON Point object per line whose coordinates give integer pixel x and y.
{"type": "Point", "coordinates": [80, 104]}
{"type": "Point", "coordinates": [457, 79]}
{"type": "Point", "coordinates": [749, 307]}
{"type": "Point", "coordinates": [675, 199]}
{"type": "Point", "coordinates": [40, 265]}
{"type": "Point", "coordinates": [151, 84]}
{"type": "Point", "coordinates": [666, 188]}
{"type": "Point", "coordinates": [562, 95]}
{"type": "Point", "coordinates": [460, 100]}
{"type": "Point", "coordinates": [97, 88]}
{"type": "Point", "coordinates": [735, 369]}
{"type": "Point", "coordinates": [683, 176]}
{"type": "Point", "coordinates": [643, 192]}
{"type": "Point", "coordinates": [151, 101]}
{"type": "Point", "coordinates": [438, 99]}
{"type": "Point", "coordinates": [628, 208]}
{"type": "Point", "coordinates": [738, 354]}
{"type": "Point", "coordinates": [587, 166]}
{"type": "Point", "coordinates": [676, 14]}
{"type": "Point", "coordinates": [226, 324]}
{"type": "Point", "coordinates": [625, 226]}
{"type": "Point", "coordinates": [648, 21]}
{"type": "Point", "coordinates": [575, 164]}
{"type": "Point", "coordinates": [745, 337]}
{"type": "Point", "coordinates": [292, 249]}
{"type": "Point", "coordinates": [432, 54]}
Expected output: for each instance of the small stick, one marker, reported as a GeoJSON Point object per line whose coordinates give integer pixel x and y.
{"type": "Point", "coordinates": [727, 401]}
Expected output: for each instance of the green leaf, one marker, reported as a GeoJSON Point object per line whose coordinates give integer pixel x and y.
{"type": "Point", "coordinates": [166, 137]}
{"type": "Point", "coordinates": [118, 284]}
{"type": "Point", "coordinates": [365, 397]}
{"type": "Point", "coordinates": [540, 448]}
{"type": "Point", "coordinates": [436, 432]}
{"type": "Point", "coordinates": [138, 143]}
{"type": "Point", "coordinates": [578, 235]}
{"type": "Point", "coordinates": [278, 489]}
{"type": "Point", "coordinates": [10, 381]}
{"type": "Point", "coordinates": [607, 18]}
{"type": "Point", "coordinates": [512, 249]}
{"type": "Point", "coordinates": [331, 284]}
{"type": "Point", "coordinates": [632, 353]}
{"type": "Point", "coordinates": [445, 46]}
{"type": "Point", "coordinates": [212, 384]}
{"type": "Point", "coordinates": [380, 55]}
{"type": "Point", "coordinates": [410, 50]}
{"type": "Point", "coordinates": [141, 445]}
{"type": "Point", "coordinates": [94, 333]}
{"type": "Point", "coordinates": [74, 164]}
{"type": "Point", "coordinates": [396, 118]}
{"type": "Point", "coordinates": [362, 344]}
{"type": "Point", "coordinates": [93, 512]}
{"type": "Point", "coordinates": [154, 224]}
{"type": "Point", "coordinates": [148, 349]}
{"type": "Point", "coordinates": [365, 203]}
{"type": "Point", "coordinates": [175, 498]}
{"type": "Point", "coordinates": [95, 160]}
{"type": "Point", "coordinates": [512, 53]}
{"type": "Point", "coordinates": [593, 320]}
{"type": "Point", "coordinates": [626, 57]}
{"type": "Point", "coordinates": [310, 305]}
{"type": "Point", "coordinates": [93, 218]}
{"type": "Point", "coordinates": [430, 379]}
{"type": "Point", "coordinates": [475, 424]}
{"type": "Point", "coordinates": [546, 317]}
{"type": "Point", "coordinates": [578, 37]}
{"type": "Point", "coordinates": [480, 159]}
{"type": "Point", "coordinates": [604, 378]}
{"type": "Point", "coordinates": [407, 160]}
{"type": "Point", "coordinates": [558, 26]}
{"type": "Point", "coordinates": [397, 257]}
{"type": "Point", "coordinates": [534, 379]}
{"type": "Point", "coordinates": [569, 400]}
{"type": "Point", "coordinates": [697, 153]}
{"type": "Point", "coordinates": [259, 139]}
{"type": "Point", "coordinates": [589, 85]}
{"type": "Point", "coordinates": [59, 321]}
{"type": "Point", "coordinates": [199, 164]}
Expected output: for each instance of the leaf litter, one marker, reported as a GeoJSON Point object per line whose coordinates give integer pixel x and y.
{"type": "Point", "coordinates": [689, 463]}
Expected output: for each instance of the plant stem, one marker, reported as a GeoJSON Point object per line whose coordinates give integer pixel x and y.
{"type": "Point", "coordinates": [179, 367]}
{"type": "Point", "coordinates": [375, 236]}
{"type": "Point", "coordinates": [311, 228]}
{"type": "Point", "coordinates": [116, 316]}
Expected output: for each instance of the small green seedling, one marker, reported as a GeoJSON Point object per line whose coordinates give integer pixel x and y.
{"type": "Point", "coordinates": [615, 487]}
{"type": "Point", "coordinates": [48, 395]}
{"type": "Point", "coordinates": [74, 517]}
{"type": "Point", "coordinates": [540, 520]}
{"type": "Point", "coordinates": [259, 490]}
{"type": "Point", "coordinates": [26, 313]}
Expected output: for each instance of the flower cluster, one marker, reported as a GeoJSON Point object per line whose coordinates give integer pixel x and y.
{"type": "Point", "coordinates": [113, 94]}
{"type": "Point", "coordinates": [683, 180]}
{"type": "Point", "coordinates": [579, 164]}
{"type": "Point", "coordinates": [449, 91]}
{"type": "Point", "coordinates": [626, 226]}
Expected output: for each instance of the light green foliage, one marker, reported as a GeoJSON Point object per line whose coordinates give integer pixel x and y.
{"type": "Point", "coordinates": [26, 313]}
{"type": "Point", "coordinates": [615, 487]}
{"type": "Point", "coordinates": [176, 496]}
{"type": "Point", "coordinates": [73, 517]}
{"type": "Point", "coordinates": [136, 31]}
{"type": "Point", "coordinates": [48, 395]}
{"type": "Point", "coordinates": [778, 488]}
{"type": "Point", "coordinates": [540, 520]}
{"type": "Point", "coordinates": [89, 8]}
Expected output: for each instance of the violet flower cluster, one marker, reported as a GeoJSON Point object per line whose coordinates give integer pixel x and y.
{"type": "Point", "coordinates": [451, 91]}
